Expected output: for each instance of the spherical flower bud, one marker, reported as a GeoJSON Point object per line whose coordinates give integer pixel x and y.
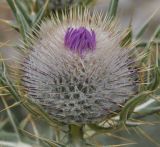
{"type": "Point", "coordinates": [75, 69]}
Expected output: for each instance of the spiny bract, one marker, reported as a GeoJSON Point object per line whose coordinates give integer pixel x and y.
{"type": "Point", "coordinates": [76, 70]}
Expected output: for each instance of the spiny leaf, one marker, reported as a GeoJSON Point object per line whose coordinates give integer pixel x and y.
{"type": "Point", "coordinates": [24, 26]}
{"type": "Point", "coordinates": [147, 112]}
{"type": "Point", "coordinates": [156, 79]}
{"type": "Point", "coordinates": [12, 6]}
{"type": "Point", "coordinates": [151, 106]}
{"type": "Point", "coordinates": [112, 11]}
{"type": "Point", "coordinates": [146, 24]}
{"type": "Point", "coordinates": [149, 44]}
{"type": "Point", "coordinates": [131, 104]}
{"type": "Point", "coordinates": [24, 12]}
{"type": "Point", "coordinates": [29, 4]}
{"type": "Point", "coordinates": [40, 14]}
{"type": "Point", "coordinates": [4, 80]}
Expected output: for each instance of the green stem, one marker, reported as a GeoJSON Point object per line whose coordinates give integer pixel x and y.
{"type": "Point", "coordinates": [76, 136]}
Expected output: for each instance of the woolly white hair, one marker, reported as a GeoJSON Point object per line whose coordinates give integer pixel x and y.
{"type": "Point", "coordinates": [73, 89]}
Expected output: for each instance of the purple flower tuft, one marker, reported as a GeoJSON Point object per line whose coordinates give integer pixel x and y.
{"type": "Point", "coordinates": [80, 40]}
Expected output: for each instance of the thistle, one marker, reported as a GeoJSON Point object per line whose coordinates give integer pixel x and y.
{"type": "Point", "coordinates": [76, 70]}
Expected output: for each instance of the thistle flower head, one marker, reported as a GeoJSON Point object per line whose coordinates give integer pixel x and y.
{"type": "Point", "coordinates": [76, 70]}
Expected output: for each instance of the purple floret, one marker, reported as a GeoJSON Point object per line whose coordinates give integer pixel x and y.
{"type": "Point", "coordinates": [80, 40]}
